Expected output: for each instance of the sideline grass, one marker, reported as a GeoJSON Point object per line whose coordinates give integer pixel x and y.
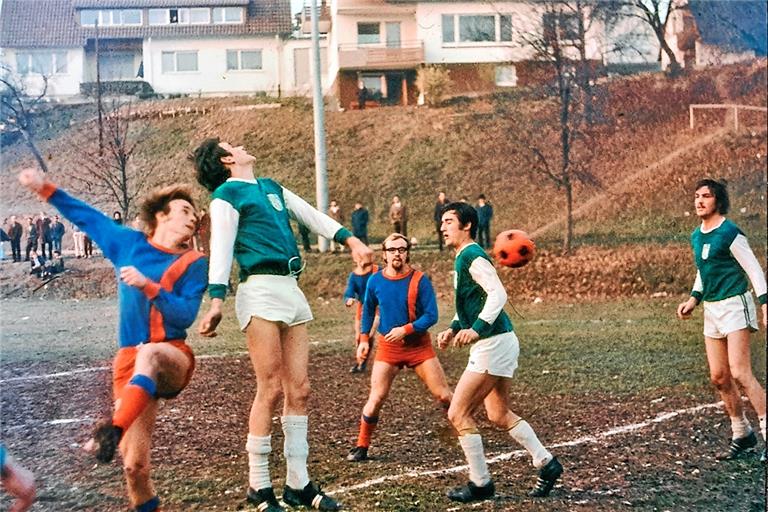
{"type": "Point", "coordinates": [620, 347]}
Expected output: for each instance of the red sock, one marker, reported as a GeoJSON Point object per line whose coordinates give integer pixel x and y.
{"type": "Point", "coordinates": [133, 400]}
{"type": "Point", "coordinates": [367, 426]}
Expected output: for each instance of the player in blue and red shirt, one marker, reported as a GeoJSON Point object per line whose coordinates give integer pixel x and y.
{"type": "Point", "coordinates": [160, 285]}
{"type": "Point", "coordinates": [407, 308]}
{"type": "Point", "coordinates": [355, 293]}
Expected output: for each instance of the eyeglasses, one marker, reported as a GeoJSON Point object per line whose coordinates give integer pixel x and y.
{"type": "Point", "coordinates": [399, 250]}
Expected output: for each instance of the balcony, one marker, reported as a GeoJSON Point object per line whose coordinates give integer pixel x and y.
{"type": "Point", "coordinates": [323, 19]}
{"type": "Point", "coordinates": [407, 54]}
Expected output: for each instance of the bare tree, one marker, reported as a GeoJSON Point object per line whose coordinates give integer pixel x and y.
{"type": "Point", "coordinates": [18, 109]}
{"type": "Point", "coordinates": [656, 14]}
{"type": "Point", "coordinates": [109, 174]}
{"type": "Point", "coordinates": [562, 45]}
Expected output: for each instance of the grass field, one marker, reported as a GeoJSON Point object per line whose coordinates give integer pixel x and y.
{"type": "Point", "coordinates": [598, 381]}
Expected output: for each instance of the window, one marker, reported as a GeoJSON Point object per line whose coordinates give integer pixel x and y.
{"type": "Point", "coordinates": [179, 61]}
{"type": "Point", "coordinates": [158, 17]}
{"type": "Point", "coordinates": [506, 76]}
{"type": "Point", "coordinates": [477, 29]}
{"type": "Point", "coordinates": [111, 18]}
{"type": "Point", "coordinates": [449, 36]}
{"type": "Point", "coordinates": [368, 33]}
{"type": "Point", "coordinates": [199, 16]}
{"type": "Point", "coordinates": [43, 63]}
{"type": "Point", "coordinates": [243, 60]}
{"type": "Point", "coordinates": [566, 26]}
{"type": "Point", "coordinates": [88, 17]}
{"type": "Point", "coordinates": [227, 15]}
{"type": "Point", "coordinates": [505, 28]}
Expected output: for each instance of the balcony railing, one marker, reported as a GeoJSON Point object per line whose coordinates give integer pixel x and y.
{"type": "Point", "coordinates": [381, 56]}
{"type": "Point", "coordinates": [323, 20]}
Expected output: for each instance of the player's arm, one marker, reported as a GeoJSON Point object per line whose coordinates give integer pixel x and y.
{"type": "Point", "coordinates": [224, 223]}
{"type": "Point", "coordinates": [180, 306]}
{"type": "Point", "coordinates": [323, 225]}
{"type": "Point", "coordinates": [350, 294]}
{"type": "Point", "coordinates": [366, 322]}
{"type": "Point", "coordinates": [684, 309]}
{"type": "Point", "coordinates": [746, 258]}
{"type": "Point", "coordinates": [110, 237]}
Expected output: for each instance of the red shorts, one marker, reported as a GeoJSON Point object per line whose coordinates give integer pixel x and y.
{"type": "Point", "coordinates": [125, 360]}
{"type": "Point", "coordinates": [416, 349]}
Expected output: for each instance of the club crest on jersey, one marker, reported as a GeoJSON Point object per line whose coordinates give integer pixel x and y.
{"type": "Point", "coordinates": [275, 201]}
{"type": "Point", "coordinates": [705, 251]}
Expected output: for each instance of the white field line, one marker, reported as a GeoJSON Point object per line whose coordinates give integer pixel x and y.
{"type": "Point", "coordinates": [517, 453]}
{"type": "Point", "coordinates": [56, 375]}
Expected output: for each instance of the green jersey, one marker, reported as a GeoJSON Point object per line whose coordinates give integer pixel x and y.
{"type": "Point", "coordinates": [250, 221]}
{"type": "Point", "coordinates": [480, 295]}
{"type": "Point", "coordinates": [724, 260]}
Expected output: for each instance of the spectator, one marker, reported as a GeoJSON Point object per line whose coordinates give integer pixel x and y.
{"type": "Point", "coordinates": [57, 233]}
{"type": "Point", "coordinates": [3, 238]}
{"type": "Point", "coordinates": [14, 233]}
{"type": "Point", "coordinates": [44, 230]}
{"type": "Point", "coordinates": [54, 266]}
{"type": "Point", "coordinates": [78, 237]}
{"type": "Point", "coordinates": [441, 202]}
{"type": "Point", "coordinates": [398, 217]}
{"type": "Point", "coordinates": [360, 222]}
{"type": "Point", "coordinates": [334, 212]}
{"type": "Point", "coordinates": [32, 237]}
{"type": "Point", "coordinates": [484, 216]}
{"type": "Point", "coordinates": [362, 95]}
{"type": "Point", "coordinates": [304, 235]}
{"type": "Point", "coordinates": [87, 246]}
{"type": "Point", "coordinates": [117, 217]}
{"type": "Point", "coordinates": [36, 263]}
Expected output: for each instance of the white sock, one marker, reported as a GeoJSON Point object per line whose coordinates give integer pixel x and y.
{"type": "Point", "coordinates": [472, 444]}
{"type": "Point", "coordinates": [526, 437]}
{"type": "Point", "coordinates": [740, 426]}
{"type": "Point", "coordinates": [296, 451]}
{"type": "Point", "coordinates": [258, 449]}
{"type": "Point", "coordinates": [762, 426]}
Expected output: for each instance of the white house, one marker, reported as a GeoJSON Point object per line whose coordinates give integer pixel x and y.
{"type": "Point", "coordinates": [206, 47]}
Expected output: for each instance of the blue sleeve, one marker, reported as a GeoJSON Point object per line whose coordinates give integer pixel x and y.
{"type": "Point", "coordinates": [180, 306]}
{"type": "Point", "coordinates": [112, 238]}
{"type": "Point", "coordinates": [2, 459]}
{"type": "Point", "coordinates": [349, 293]}
{"type": "Point", "coordinates": [426, 304]}
{"type": "Point", "coordinates": [369, 308]}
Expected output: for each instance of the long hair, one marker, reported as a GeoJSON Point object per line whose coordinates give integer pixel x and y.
{"type": "Point", "coordinates": [158, 200]}
{"type": "Point", "coordinates": [720, 191]}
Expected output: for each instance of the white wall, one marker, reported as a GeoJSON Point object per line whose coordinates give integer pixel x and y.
{"type": "Point", "coordinates": [59, 85]}
{"type": "Point", "coordinates": [290, 87]}
{"type": "Point", "coordinates": [212, 76]}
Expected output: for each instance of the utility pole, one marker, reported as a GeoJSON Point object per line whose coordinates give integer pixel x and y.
{"type": "Point", "coordinates": [321, 161]}
{"type": "Point", "coordinates": [98, 92]}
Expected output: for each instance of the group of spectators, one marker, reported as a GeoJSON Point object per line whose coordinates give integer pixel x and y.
{"type": "Point", "coordinates": [398, 220]}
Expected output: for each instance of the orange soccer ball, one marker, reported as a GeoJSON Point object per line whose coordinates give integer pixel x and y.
{"type": "Point", "coordinates": [514, 248]}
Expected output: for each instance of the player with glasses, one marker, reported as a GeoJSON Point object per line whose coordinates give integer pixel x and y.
{"type": "Point", "coordinates": [407, 308]}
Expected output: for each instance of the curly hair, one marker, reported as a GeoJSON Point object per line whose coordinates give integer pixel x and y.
{"type": "Point", "coordinates": [720, 191]}
{"type": "Point", "coordinates": [159, 200]}
{"type": "Point", "coordinates": [207, 159]}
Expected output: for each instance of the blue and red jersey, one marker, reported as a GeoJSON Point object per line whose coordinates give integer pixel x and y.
{"type": "Point", "coordinates": [391, 295]}
{"type": "Point", "coordinates": [356, 284]}
{"type": "Point", "coordinates": [169, 303]}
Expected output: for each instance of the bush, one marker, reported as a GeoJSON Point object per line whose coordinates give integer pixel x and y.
{"type": "Point", "coordinates": [434, 83]}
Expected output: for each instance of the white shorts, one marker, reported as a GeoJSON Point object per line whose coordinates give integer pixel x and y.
{"type": "Point", "coordinates": [496, 355]}
{"type": "Point", "coordinates": [273, 298]}
{"type": "Point", "coordinates": [729, 315]}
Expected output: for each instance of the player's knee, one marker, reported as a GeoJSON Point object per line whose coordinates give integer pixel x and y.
{"type": "Point", "coordinates": [444, 396]}
{"type": "Point", "coordinates": [721, 380]}
{"type": "Point", "coordinates": [498, 418]}
{"type": "Point", "coordinates": [269, 391]}
{"type": "Point", "coordinates": [297, 394]}
{"type": "Point", "coordinates": [456, 416]}
{"type": "Point", "coordinates": [742, 376]}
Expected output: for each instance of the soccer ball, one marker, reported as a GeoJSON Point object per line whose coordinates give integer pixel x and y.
{"type": "Point", "coordinates": [514, 248]}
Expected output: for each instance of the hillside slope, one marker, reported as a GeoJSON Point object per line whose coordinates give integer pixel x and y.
{"type": "Point", "coordinates": [467, 148]}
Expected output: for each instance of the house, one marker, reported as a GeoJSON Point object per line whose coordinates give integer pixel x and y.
{"type": "Point", "coordinates": [175, 46]}
{"type": "Point", "coordinates": [705, 33]}
{"type": "Point", "coordinates": [484, 45]}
